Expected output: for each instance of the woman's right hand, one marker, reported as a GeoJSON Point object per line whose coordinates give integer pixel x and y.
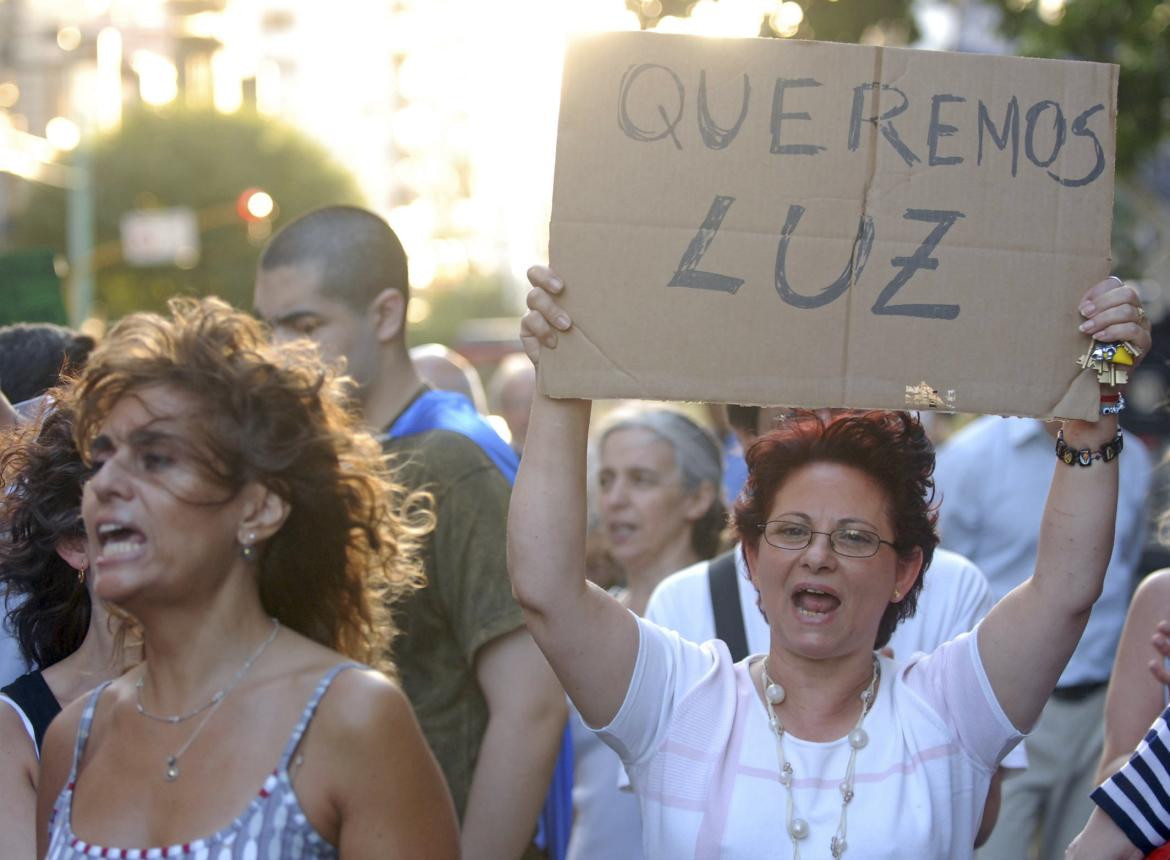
{"type": "Point", "coordinates": [545, 317]}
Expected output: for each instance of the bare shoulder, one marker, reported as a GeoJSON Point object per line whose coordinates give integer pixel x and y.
{"type": "Point", "coordinates": [361, 703]}
{"type": "Point", "coordinates": [356, 696]}
{"type": "Point", "coordinates": [62, 731]}
{"type": "Point", "coordinates": [57, 747]}
{"type": "Point", "coordinates": [1156, 587]}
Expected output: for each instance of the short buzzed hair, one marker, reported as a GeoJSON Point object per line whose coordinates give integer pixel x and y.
{"type": "Point", "coordinates": [358, 253]}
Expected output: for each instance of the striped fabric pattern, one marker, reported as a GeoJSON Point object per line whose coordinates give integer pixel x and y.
{"type": "Point", "coordinates": [273, 826]}
{"type": "Point", "coordinates": [1137, 797]}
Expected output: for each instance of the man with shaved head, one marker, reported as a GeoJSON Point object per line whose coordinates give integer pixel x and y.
{"type": "Point", "coordinates": [489, 705]}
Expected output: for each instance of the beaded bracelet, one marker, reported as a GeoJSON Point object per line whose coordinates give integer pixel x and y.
{"type": "Point", "coordinates": [1084, 456]}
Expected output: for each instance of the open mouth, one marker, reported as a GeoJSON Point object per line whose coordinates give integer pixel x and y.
{"type": "Point", "coordinates": [119, 540]}
{"type": "Point", "coordinates": [814, 603]}
{"type": "Point", "coordinates": [620, 531]}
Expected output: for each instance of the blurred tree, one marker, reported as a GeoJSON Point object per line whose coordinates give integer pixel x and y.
{"type": "Point", "coordinates": [438, 313]}
{"type": "Point", "coordinates": [202, 160]}
{"type": "Point", "coordinates": [885, 21]}
{"type": "Point", "coordinates": [1135, 34]}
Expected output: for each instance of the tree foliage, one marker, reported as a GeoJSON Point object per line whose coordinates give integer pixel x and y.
{"type": "Point", "coordinates": [826, 20]}
{"type": "Point", "coordinates": [202, 160]}
{"type": "Point", "coordinates": [1135, 34]}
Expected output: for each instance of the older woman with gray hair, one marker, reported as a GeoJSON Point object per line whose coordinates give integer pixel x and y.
{"type": "Point", "coordinates": [657, 491]}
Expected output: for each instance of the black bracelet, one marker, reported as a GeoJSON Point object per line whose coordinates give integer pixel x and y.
{"type": "Point", "coordinates": [1084, 456]}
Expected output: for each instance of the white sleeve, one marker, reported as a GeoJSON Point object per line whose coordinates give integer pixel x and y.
{"type": "Point", "coordinates": [667, 667]}
{"type": "Point", "coordinates": [28, 726]}
{"type": "Point", "coordinates": [952, 680]}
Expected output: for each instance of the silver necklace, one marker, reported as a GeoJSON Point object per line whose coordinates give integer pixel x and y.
{"type": "Point", "coordinates": [774, 694]}
{"type": "Point", "coordinates": [172, 770]}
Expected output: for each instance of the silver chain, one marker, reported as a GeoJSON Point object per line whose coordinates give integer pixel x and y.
{"type": "Point", "coordinates": [172, 770]}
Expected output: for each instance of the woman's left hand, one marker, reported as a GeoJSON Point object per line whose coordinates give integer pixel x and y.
{"type": "Point", "coordinates": [1113, 312]}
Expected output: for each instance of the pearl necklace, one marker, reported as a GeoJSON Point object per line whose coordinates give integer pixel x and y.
{"type": "Point", "coordinates": [774, 694]}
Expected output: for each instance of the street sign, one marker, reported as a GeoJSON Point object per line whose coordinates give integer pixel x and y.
{"type": "Point", "coordinates": [160, 237]}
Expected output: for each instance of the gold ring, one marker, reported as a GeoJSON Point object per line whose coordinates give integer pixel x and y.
{"type": "Point", "coordinates": [1141, 315]}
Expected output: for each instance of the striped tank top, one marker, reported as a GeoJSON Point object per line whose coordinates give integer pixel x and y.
{"type": "Point", "coordinates": [273, 826]}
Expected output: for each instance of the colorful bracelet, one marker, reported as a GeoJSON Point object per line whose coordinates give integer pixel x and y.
{"type": "Point", "coordinates": [1112, 403]}
{"type": "Point", "coordinates": [1084, 456]}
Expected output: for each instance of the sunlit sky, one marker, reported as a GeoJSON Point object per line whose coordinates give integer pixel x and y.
{"type": "Point", "coordinates": [445, 110]}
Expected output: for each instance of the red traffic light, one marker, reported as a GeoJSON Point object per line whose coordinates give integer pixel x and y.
{"type": "Point", "coordinates": [255, 204]}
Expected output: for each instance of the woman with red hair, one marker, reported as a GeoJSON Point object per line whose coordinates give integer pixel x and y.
{"type": "Point", "coordinates": [821, 744]}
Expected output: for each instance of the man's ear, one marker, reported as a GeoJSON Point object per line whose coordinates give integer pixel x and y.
{"type": "Point", "coordinates": [388, 314]}
{"type": "Point", "coordinates": [264, 512]}
{"type": "Point", "coordinates": [73, 551]}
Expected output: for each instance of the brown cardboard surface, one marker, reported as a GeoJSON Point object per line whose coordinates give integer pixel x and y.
{"type": "Point", "coordinates": [771, 141]}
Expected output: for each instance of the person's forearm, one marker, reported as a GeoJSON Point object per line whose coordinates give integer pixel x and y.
{"type": "Point", "coordinates": [1028, 637]}
{"type": "Point", "coordinates": [1112, 766]}
{"type": "Point", "coordinates": [1102, 840]}
{"type": "Point", "coordinates": [1076, 533]}
{"type": "Point", "coordinates": [546, 518]}
{"type": "Point", "coordinates": [512, 775]}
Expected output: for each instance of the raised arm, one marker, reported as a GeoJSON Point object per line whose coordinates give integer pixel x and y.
{"type": "Point", "coordinates": [1028, 638]}
{"type": "Point", "coordinates": [589, 639]}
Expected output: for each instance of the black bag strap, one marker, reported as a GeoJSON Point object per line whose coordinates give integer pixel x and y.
{"type": "Point", "coordinates": [723, 581]}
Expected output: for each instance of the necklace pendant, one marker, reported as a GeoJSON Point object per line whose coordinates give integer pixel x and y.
{"type": "Point", "coordinates": [837, 846]}
{"type": "Point", "coordinates": [172, 771]}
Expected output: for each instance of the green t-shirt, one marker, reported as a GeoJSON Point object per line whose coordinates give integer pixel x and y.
{"type": "Point", "coordinates": [467, 601]}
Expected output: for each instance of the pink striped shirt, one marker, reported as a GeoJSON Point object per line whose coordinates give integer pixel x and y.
{"type": "Point", "coordinates": [696, 742]}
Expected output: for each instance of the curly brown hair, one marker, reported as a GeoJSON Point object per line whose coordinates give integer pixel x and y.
{"type": "Point", "coordinates": [275, 414]}
{"type": "Point", "coordinates": [41, 476]}
{"type": "Point", "coordinates": [890, 447]}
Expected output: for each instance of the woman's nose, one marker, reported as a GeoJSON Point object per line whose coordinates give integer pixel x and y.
{"type": "Point", "coordinates": [108, 479]}
{"type": "Point", "coordinates": [820, 550]}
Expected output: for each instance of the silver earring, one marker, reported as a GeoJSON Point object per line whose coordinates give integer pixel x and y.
{"type": "Point", "coordinates": [248, 547]}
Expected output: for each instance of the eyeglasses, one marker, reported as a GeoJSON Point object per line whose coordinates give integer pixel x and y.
{"type": "Point", "coordinates": [851, 542]}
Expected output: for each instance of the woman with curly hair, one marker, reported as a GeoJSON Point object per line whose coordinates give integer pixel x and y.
{"type": "Point", "coordinates": [236, 512]}
{"type": "Point", "coordinates": [58, 625]}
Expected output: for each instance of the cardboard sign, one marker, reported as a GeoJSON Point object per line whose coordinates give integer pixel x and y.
{"type": "Point", "coordinates": [763, 221]}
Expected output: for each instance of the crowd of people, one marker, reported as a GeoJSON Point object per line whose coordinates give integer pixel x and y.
{"type": "Point", "coordinates": [275, 586]}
